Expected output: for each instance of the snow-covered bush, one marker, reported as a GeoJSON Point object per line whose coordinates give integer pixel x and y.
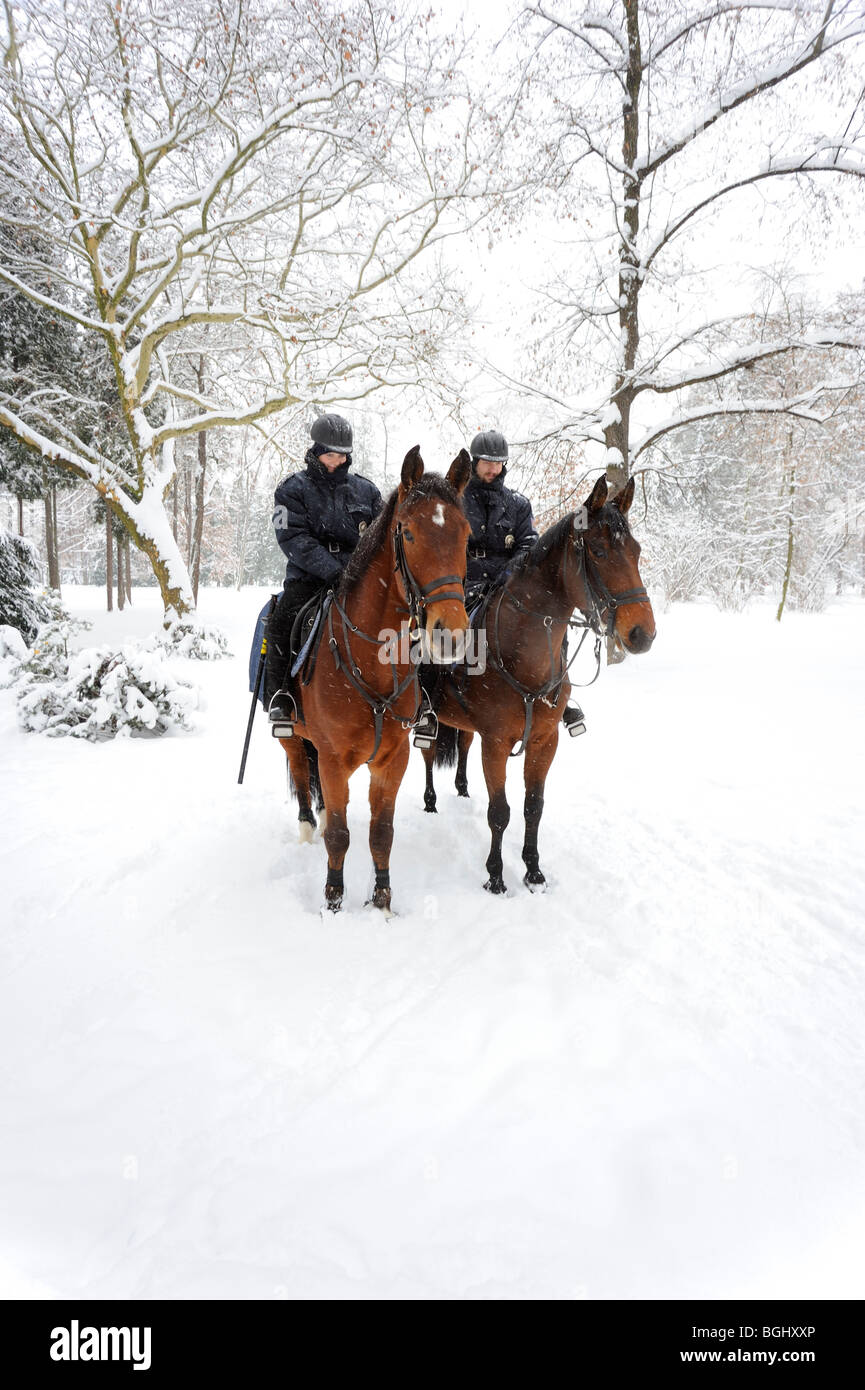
{"type": "Point", "coordinates": [102, 693]}
{"type": "Point", "coordinates": [99, 692]}
{"type": "Point", "coordinates": [20, 607]}
{"type": "Point", "coordinates": [198, 641]}
{"type": "Point", "coordinates": [13, 650]}
{"type": "Point", "coordinates": [49, 653]}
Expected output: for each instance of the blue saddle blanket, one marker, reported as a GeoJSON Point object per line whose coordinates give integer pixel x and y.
{"type": "Point", "coordinates": [255, 650]}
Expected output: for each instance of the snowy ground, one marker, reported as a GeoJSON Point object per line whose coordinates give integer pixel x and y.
{"type": "Point", "coordinates": [646, 1083]}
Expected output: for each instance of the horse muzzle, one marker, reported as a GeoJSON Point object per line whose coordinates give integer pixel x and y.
{"type": "Point", "coordinates": [446, 643]}
{"type": "Point", "coordinates": [638, 640]}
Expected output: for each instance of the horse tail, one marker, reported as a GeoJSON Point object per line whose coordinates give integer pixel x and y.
{"type": "Point", "coordinates": [446, 746]}
{"type": "Point", "coordinates": [315, 792]}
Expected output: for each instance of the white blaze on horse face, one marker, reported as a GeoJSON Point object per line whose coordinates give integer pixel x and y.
{"type": "Point", "coordinates": [439, 515]}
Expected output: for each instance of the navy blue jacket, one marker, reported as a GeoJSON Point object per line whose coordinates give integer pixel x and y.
{"type": "Point", "coordinates": [501, 522]}
{"type": "Point", "coordinates": [319, 516]}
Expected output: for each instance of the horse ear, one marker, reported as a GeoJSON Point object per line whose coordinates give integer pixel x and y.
{"type": "Point", "coordinates": [624, 499]}
{"type": "Point", "coordinates": [459, 472]}
{"type": "Point", "coordinates": [412, 468]}
{"type": "Point", "coordinates": [598, 495]}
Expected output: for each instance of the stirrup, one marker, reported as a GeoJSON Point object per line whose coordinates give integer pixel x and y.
{"type": "Point", "coordinates": [282, 713]}
{"type": "Point", "coordinates": [574, 721]}
{"type": "Point", "coordinates": [426, 730]}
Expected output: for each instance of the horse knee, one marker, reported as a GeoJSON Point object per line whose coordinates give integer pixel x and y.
{"type": "Point", "coordinates": [498, 813]}
{"type": "Point", "coordinates": [336, 838]}
{"type": "Point", "coordinates": [381, 836]}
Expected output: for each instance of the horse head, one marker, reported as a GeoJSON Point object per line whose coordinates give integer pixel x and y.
{"type": "Point", "coordinates": [430, 534]}
{"type": "Point", "coordinates": [611, 572]}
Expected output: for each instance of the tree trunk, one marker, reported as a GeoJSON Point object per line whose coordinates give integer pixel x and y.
{"type": "Point", "coordinates": [21, 516]}
{"type": "Point", "coordinates": [50, 499]}
{"type": "Point", "coordinates": [120, 579]}
{"type": "Point", "coordinates": [617, 430]}
{"type": "Point", "coordinates": [788, 567]}
{"type": "Point", "coordinates": [127, 552]}
{"type": "Point", "coordinates": [198, 528]}
{"type": "Point", "coordinates": [109, 561]}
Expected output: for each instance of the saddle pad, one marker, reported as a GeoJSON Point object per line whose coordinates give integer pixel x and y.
{"type": "Point", "coordinates": [255, 650]}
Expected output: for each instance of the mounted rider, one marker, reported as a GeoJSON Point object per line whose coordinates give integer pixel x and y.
{"type": "Point", "coordinates": [501, 519]}
{"type": "Point", "coordinates": [319, 516]}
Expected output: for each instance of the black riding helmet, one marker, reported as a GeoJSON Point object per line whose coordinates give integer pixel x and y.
{"type": "Point", "coordinates": [333, 433]}
{"type": "Point", "coordinates": [489, 444]}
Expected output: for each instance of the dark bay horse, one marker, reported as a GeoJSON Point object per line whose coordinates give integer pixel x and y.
{"type": "Point", "coordinates": [364, 691]}
{"type": "Point", "coordinates": [587, 561]}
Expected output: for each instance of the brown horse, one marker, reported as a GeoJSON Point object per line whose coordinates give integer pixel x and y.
{"type": "Point", "coordinates": [364, 693]}
{"type": "Point", "coordinates": [586, 561]}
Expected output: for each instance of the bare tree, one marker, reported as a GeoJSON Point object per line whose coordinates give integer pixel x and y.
{"type": "Point", "coordinates": [665, 113]}
{"type": "Point", "coordinates": [276, 171]}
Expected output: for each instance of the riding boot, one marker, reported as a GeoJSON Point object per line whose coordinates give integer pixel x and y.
{"type": "Point", "coordinates": [278, 701]}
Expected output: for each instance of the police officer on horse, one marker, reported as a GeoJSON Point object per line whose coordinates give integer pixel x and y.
{"type": "Point", "coordinates": [319, 516]}
{"type": "Point", "coordinates": [501, 519]}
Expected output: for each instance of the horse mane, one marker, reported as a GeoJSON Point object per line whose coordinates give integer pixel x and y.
{"type": "Point", "coordinates": [430, 485]}
{"type": "Point", "coordinates": [555, 536]}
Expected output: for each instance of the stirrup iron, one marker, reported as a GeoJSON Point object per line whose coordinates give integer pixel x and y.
{"type": "Point", "coordinates": [426, 729]}
{"type": "Point", "coordinates": [282, 713]}
{"type": "Point", "coordinates": [574, 721]}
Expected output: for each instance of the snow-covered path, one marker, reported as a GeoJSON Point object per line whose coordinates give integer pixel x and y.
{"type": "Point", "coordinates": [646, 1083]}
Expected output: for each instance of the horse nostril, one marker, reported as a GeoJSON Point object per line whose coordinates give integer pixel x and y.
{"type": "Point", "coordinates": [639, 640]}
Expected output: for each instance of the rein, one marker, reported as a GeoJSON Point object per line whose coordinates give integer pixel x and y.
{"type": "Point", "coordinates": [416, 598]}
{"type": "Point", "coordinates": [550, 691]}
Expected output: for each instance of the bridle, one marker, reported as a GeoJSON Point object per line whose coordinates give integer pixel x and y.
{"type": "Point", "coordinates": [601, 602]}
{"type": "Point", "coordinates": [417, 597]}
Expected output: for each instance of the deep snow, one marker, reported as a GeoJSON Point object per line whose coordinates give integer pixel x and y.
{"type": "Point", "coordinates": [646, 1083]}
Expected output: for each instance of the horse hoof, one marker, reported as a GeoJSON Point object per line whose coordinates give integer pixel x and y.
{"type": "Point", "coordinates": [329, 910]}
{"type": "Point", "coordinates": [462, 791]}
{"type": "Point", "coordinates": [431, 809]}
{"type": "Point", "coordinates": [495, 885]}
{"type": "Point", "coordinates": [386, 911]}
{"type": "Point", "coordinates": [305, 832]}
{"type": "Point", "coordinates": [535, 881]}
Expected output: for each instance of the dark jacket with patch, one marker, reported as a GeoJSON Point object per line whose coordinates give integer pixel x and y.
{"type": "Point", "coordinates": [501, 522]}
{"type": "Point", "coordinates": [319, 517]}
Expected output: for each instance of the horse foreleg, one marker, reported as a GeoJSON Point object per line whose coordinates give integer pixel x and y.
{"type": "Point", "coordinates": [429, 795]}
{"type": "Point", "coordinates": [539, 756]}
{"type": "Point", "coordinates": [464, 743]}
{"type": "Point", "coordinates": [495, 761]}
{"type": "Point", "coordinates": [386, 775]}
{"type": "Point", "coordinates": [334, 785]}
{"type": "Point", "coordinates": [298, 763]}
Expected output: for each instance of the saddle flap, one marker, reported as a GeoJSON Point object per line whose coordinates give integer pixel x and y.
{"type": "Point", "coordinates": [308, 626]}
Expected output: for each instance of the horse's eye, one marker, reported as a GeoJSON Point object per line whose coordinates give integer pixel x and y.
{"type": "Point", "coordinates": [598, 551]}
